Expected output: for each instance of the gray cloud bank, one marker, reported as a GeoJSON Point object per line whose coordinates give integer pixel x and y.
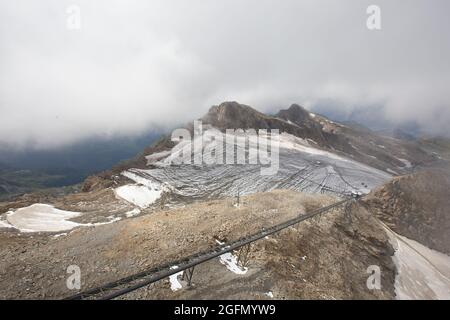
{"type": "Point", "coordinates": [137, 64]}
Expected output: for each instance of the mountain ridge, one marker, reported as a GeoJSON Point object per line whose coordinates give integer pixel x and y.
{"type": "Point", "coordinates": [187, 207]}
{"type": "Point", "coordinates": [365, 146]}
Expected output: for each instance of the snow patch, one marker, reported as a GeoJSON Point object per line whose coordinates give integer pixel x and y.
{"type": "Point", "coordinates": [289, 141]}
{"type": "Point", "coordinates": [46, 218]}
{"type": "Point", "coordinates": [133, 213]}
{"type": "Point", "coordinates": [230, 261]}
{"type": "Point", "coordinates": [175, 284]}
{"type": "Point", "coordinates": [5, 224]}
{"type": "Point", "coordinates": [391, 171]}
{"type": "Point", "coordinates": [140, 195]}
{"type": "Point", "coordinates": [42, 218]}
{"type": "Point", "coordinates": [59, 235]}
{"type": "Point", "coordinates": [406, 162]}
{"type": "Point", "coordinates": [141, 180]}
{"type": "Point", "coordinates": [112, 220]}
{"type": "Point", "coordinates": [423, 273]}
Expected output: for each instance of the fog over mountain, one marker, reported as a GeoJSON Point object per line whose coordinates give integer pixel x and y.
{"type": "Point", "coordinates": [134, 65]}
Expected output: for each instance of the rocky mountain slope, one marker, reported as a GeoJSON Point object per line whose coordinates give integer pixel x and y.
{"type": "Point", "coordinates": [148, 210]}
{"type": "Point", "coordinates": [414, 211]}
{"type": "Point", "coordinates": [417, 206]}
{"type": "Point", "coordinates": [390, 155]}
{"type": "Point", "coordinates": [354, 141]}
{"type": "Point", "coordinates": [326, 259]}
{"type": "Point", "coordinates": [363, 145]}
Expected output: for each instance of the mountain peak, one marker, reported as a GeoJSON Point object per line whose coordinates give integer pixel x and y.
{"type": "Point", "coordinates": [231, 108]}
{"type": "Point", "coordinates": [295, 113]}
{"type": "Point", "coordinates": [232, 114]}
{"type": "Point", "coordinates": [296, 107]}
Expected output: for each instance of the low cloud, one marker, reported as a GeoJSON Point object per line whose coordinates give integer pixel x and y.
{"type": "Point", "coordinates": [138, 65]}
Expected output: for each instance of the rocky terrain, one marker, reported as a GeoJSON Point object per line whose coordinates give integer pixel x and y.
{"type": "Point", "coordinates": [416, 206]}
{"type": "Point", "coordinates": [414, 211]}
{"type": "Point", "coordinates": [147, 211]}
{"type": "Point", "coordinates": [357, 142]}
{"type": "Point", "coordinates": [326, 260]}
{"type": "Point", "coordinates": [134, 185]}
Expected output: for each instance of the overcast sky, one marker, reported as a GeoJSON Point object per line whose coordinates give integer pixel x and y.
{"type": "Point", "coordinates": [137, 64]}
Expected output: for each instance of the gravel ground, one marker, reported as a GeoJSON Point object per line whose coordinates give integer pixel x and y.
{"type": "Point", "coordinates": [324, 259]}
